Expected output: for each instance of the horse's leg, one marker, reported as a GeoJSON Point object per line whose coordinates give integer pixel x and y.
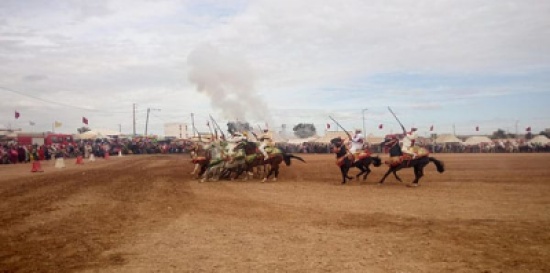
{"type": "Point", "coordinates": [418, 173]}
{"type": "Point", "coordinates": [196, 168]}
{"type": "Point", "coordinates": [390, 170]}
{"type": "Point", "coordinates": [344, 170]}
{"type": "Point", "coordinates": [275, 170]}
{"type": "Point", "coordinates": [367, 171]}
{"type": "Point", "coordinates": [271, 170]}
{"type": "Point", "coordinates": [397, 176]}
{"type": "Point", "coordinates": [361, 167]}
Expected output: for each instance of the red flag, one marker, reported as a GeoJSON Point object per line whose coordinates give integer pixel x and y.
{"type": "Point", "coordinates": [528, 129]}
{"type": "Point", "coordinates": [85, 120]}
{"type": "Point", "coordinates": [477, 128]}
{"type": "Point", "coordinates": [328, 125]}
{"type": "Point", "coordinates": [17, 115]}
{"type": "Point", "coordinates": [431, 128]}
{"type": "Point", "coordinates": [380, 126]}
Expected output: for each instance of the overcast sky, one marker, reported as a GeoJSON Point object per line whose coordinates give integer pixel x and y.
{"type": "Point", "coordinates": [451, 64]}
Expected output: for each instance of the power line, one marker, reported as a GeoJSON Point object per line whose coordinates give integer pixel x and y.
{"type": "Point", "coordinates": [59, 103]}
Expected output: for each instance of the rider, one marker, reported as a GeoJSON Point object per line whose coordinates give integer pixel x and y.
{"type": "Point", "coordinates": [266, 140]}
{"type": "Point", "coordinates": [408, 142]}
{"type": "Point", "coordinates": [357, 142]}
{"type": "Point", "coordinates": [236, 137]}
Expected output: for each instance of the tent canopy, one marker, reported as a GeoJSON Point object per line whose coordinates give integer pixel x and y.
{"type": "Point", "coordinates": [476, 140]}
{"type": "Point", "coordinates": [542, 139]}
{"type": "Point", "coordinates": [447, 138]}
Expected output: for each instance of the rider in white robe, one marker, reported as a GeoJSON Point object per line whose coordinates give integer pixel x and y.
{"type": "Point", "coordinates": [267, 140]}
{"type": "Point", "coordinates": [357, 142]}
{"type": "Point", "coordinates": [408, 142]}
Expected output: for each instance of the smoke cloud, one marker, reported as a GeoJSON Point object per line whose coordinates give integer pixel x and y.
{"type": "Point", "coordinates": [228, 81]}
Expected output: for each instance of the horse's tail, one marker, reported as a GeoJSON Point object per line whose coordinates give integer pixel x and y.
{"type": "Point", "coordinates": [438, 164]}
{"type": "Point", "coordinates": [288, 157]}
{"type": "Point", "coordinates": [376, 161]}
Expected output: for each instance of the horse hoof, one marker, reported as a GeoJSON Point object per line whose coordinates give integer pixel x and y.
{"type": "Point", "coordinates": [264, 180]}
{"type": "Point", "coordinates": [380, 183]}
{"type": "Point", "coordinates": [413, 185]}
{"type": "Point", "coordinates": [274, 179]}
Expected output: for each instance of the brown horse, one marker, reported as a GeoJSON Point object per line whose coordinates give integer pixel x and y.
{"type": "Point", "coordinates": [254, 158]}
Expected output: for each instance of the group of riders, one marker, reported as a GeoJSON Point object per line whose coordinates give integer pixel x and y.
{"type": "Point", "coordinates": [357, 144]}
{"type": "Point", "coordinates": [229, 157]}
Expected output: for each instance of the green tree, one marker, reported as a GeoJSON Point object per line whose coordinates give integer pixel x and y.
{"type": "Point", "coordinates": [83, 129]}
{"type": "Point", "coordinates": [304, 130]}
{"type": "Point", "coordinates": [238, 126]}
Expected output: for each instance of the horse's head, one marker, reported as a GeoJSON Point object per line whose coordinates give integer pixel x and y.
{"type": "Point", "coordinates": [337, 142]}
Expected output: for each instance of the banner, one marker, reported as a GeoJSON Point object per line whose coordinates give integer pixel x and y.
{"type": "Point", "coordinates": [85, 120]}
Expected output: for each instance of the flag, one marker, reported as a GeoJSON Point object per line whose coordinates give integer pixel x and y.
{"type": "Point", "coordinates": [85, 120]}
{"type": "Point", "coordinates": [57, 124]}
{"type": "Point", "coordinates": [31, 123]}
{"type": "Point", "coordinates": [477, 128]}
{"type": "Point", "coordinates": [208, 123]}
{"type": "Point", "coordinates": [380, 126]}
{"type": "Point", "coordinates": [528, 129]}
{"type": "Point", "coordinates": [17, 115]}
{"type": "Point", "coordinates": [431, 128]}
{"type": "Point", "coordinates": [328, 126]}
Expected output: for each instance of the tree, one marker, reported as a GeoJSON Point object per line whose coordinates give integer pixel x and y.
{"type": "Point", "coordinates": [238, 126]}
{"type": "Point", "coordinates": [83, 129]}
{"type": "Point", "coordinates": [304, 130]}
{"type": "Point", "coordinates": [499, 134]}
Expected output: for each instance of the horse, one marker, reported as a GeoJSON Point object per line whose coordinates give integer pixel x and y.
{"type": "Point", "coordinates": [400, 161]}
{"type": "Point", "coordinates": [347, 161]}
{"type": "Point", "coordinates": [275, 157]}
{"type": "Point", "coordinates": [200, 157]}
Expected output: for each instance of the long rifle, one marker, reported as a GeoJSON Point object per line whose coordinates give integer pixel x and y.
{"type": "Point", "coordinates": [402, 127]}
{"type": "Point", "coordinates": [195, 128]}
{"type": "Point", "coordinates": [217, 126]}
{"type": "Point", "coordinates": [341, 127]}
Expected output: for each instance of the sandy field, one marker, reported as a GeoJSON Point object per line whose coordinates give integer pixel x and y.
{"type": "Point", "coordinates": [485, 213]}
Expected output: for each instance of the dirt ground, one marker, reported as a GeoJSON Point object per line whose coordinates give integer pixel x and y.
{"type": "Point", "coordinates": [485, 213]}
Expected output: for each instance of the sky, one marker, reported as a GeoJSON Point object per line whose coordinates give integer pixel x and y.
{"type": "Point", "coordinates": [453, 65]}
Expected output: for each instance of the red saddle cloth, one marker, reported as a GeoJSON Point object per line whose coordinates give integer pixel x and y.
{"type": "Point", "coordinates": [362, 155]}
{"type": "Point", "coordinates": [198, 159]}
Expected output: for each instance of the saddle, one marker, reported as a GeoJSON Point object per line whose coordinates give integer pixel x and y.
{"type": "Point", "coordinates": [396, 160]}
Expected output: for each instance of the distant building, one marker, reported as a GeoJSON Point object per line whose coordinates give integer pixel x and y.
{"type": "Point", "coordinates": [177, 130]}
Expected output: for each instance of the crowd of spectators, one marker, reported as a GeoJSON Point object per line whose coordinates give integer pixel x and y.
{"type": "Point", "coordinates": [11, 153]}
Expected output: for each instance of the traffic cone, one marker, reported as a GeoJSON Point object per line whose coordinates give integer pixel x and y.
{"type": "Point", "coordinates": [79, 160]}
{"type": "Point", "coordinates": [36, 166]}
{"type": "Point", "coordinates": [92, 157]}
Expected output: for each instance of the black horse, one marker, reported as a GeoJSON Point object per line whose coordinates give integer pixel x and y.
{"type": "Point", "coordinates": [417, 164]}
{"type": "Point", "coordinates": [346, 161]}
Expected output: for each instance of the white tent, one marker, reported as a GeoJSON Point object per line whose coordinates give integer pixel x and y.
{"type": "Point", "coordinates": [98, 133]}
{"type": "Point", "coordinates": [447, 138]}
{"type": "Point", "coordinates": [540, 139]}
{"type": "Point", "coordinates": [476, 140]}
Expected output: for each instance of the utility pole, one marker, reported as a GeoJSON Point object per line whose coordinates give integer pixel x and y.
{"type": "Point", "coordinates": [134, 119]}
{"type": "Point", "coordinates": [363, 112]}
{"type": "Point", "coordinates": [147, 120]}
{"type": "Point", "coordinates": [193, 123]}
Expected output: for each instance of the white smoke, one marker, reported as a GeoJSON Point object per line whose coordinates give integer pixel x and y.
{"type": "Point", "coordinates": [229, 83]}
